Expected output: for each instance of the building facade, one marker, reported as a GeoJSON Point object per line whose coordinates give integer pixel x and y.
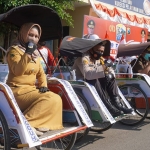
{"type": "Point", "coordinates": [132, 8]}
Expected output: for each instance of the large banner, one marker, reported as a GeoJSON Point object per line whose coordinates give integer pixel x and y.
{"type": "Point", "coordinates": [137, 6]}
{"type": "Point", "coordinates": [94, 28]}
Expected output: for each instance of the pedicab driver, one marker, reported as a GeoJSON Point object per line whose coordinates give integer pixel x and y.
{"type": "Point", "coordinates": [41, 107]}
{"type": "Point", "coordinates": [95, 70]}
{"type": "Point", "coordinates": [142, 64]}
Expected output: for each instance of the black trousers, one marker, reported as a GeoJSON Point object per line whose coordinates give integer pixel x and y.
{"type": "Point", "coordinates": [106, 87]}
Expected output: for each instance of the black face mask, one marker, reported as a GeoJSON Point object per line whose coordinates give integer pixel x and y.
{"type": "Point", "coordinates": [99, 54]}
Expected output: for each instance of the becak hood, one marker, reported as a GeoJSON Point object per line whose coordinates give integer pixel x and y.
{"type": "Point", "coordinates": [75, 47]}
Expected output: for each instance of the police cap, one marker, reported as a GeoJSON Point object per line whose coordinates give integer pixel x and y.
{"type": "Point", "coordinates": [91, 24]}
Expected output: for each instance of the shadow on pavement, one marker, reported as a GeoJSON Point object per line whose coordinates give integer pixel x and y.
{"type": "Point", "coordinates": [121, 126]}
{"type": "Point", "coordinates": [89, 139]}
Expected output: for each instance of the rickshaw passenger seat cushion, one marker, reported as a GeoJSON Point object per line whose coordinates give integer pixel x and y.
{"type": "Point", "coordinates": [124, 71]}
{"type": "Point", "coordinates": [69, 117]}
{"type": "Point", "coordinates": [125, 75]}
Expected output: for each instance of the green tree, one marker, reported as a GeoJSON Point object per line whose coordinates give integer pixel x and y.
{"type": "Point", "coordinates": [60, 6]}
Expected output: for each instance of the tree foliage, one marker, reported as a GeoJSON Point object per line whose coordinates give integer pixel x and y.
{"type": "Point", "coordinates": [60, 6]}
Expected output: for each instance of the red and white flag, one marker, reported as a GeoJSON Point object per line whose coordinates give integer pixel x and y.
{"type": "Point", "coordinates": [106, 36]}
{"type": "Point", "coordinates": [122, 40]}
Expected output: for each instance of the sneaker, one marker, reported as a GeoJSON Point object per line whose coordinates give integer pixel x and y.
{"type": "Point", "coordinates": [112, 109]}
{"type": "Point", "coordinates": [123, 108]}
{"type": "Point", "coordinates": [117, 103]}
{"type": "Point", "coordinates": [115, 112]}
{"type": "Point", "coordinates": [127, 110]}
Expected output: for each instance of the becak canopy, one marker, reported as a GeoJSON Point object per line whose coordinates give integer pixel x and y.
{"type": "Point", "coordinates": [132, 49]}
{"type": "Point", "coordinates": [46, 17]}
{"type": "Point", "coordinates": [75, 47]}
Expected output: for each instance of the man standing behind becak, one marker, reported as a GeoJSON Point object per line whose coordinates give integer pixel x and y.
{"type": "Point", "coordinates": [48, 56]}
{"type": "Point", "coordinates": [91, 27]}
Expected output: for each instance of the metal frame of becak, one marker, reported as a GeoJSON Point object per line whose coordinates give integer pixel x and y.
{"type": "Point", "coordinates": [142, 82]}
{"type": "Point", "coordinates": [92, 97]}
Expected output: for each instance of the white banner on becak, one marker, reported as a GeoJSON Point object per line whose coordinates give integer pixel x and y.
{"type": "Point", "coordinates": [100, 103]}
{"type": "Point", "coordinates": [75, 100]}
{"type": "Point", "coordinates": [114, 49]}
{"type": "Point", "coordinates": [26, 133]}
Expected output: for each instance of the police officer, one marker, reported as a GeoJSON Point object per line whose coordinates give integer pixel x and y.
{"type": "Point", "coordinates": [95, 70]}
{"type": "Point", "coordinates": [90, 27]}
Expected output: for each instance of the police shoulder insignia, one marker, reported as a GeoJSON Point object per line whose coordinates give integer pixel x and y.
{"type": "Point", "coordinates": [85, 62]}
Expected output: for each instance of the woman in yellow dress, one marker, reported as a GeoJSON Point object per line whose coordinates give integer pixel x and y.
{"type": "Point", "coordinates": [41, 107]}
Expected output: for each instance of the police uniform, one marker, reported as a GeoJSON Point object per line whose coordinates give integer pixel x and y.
{"type": "Point", "coordinates": [40, 109]}
{"type": "Point", "coordinates": [93, 73]}
{"type": "Point", "coordinates": [91, 24]}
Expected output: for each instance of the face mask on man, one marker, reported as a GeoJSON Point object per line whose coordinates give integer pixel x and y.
{"type": "Point", "coordinates": [147, 56]}
{"type": "Point", "coordinates": [98, 54]}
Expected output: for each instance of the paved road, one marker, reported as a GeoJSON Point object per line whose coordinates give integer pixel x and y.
{"type": "Point", "coordinates": [119, 137]}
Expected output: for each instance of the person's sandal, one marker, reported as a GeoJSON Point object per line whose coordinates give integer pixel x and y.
{"type": "Point", "coordinates": [43, 129]}
{"type": "Point", "coordinates": [38, 133]}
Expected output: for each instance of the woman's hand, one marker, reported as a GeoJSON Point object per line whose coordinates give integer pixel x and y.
{"type": "Point", "coordinates": [30, 48]}
{"type": "Point", "coordinates": [43, 89]}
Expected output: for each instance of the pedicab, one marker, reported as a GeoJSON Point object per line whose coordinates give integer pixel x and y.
{"type": "Point", "coordinates": [15, 130]}
{"type": "Point", "coordinates": [134, 86]}
{"type": "Point", "coordinates": [72, 47]}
